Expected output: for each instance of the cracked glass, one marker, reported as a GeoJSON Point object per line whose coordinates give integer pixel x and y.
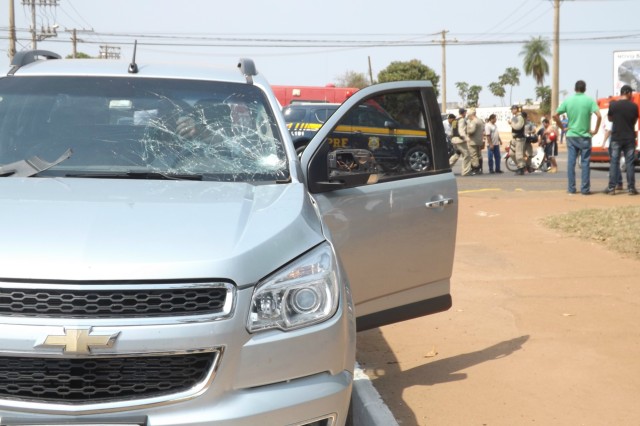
{"type": "Point", "coordinates": [142, 127]}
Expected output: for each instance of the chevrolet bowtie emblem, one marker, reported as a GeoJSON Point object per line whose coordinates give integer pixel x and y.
{"type": "Point", "coordinates": [78, 341]}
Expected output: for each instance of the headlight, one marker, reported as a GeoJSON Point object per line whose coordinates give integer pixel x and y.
{"type": "Point", "coordinates": [305, 292]}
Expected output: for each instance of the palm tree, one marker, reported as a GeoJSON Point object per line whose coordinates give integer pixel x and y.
{"type": "Point", "coordinates": [535, 63]}
{"type": "Point", "coordinates": [497, 90]}
{"type": "Point", "coordinates": [511, 77]}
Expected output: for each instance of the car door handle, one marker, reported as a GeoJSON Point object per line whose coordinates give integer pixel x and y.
{"type": "Point", "coordinates": [439, 203]}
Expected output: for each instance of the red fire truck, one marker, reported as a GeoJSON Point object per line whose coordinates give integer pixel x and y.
{"type": "Point", "coordinates": [295, 94]}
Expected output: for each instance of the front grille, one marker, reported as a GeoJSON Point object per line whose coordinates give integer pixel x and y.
{"type": "Point", "coordinates": [99, 380]}
{"type": "Point", "coordinates": [111, 301]}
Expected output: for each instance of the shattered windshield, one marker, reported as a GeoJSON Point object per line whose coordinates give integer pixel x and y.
{"type": "Point", "coordinates": [125, 127]}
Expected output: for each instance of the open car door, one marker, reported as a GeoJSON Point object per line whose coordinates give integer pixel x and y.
{"type": "Point", "coordinates": [389, 198]}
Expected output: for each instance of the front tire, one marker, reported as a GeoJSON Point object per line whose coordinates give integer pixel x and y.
{"type": "Point", "coordinates": [417, 159]}
{"type": "Point", "coordinates": [510, 163]}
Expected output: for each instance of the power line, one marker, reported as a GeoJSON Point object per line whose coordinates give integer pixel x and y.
{"type": "Point", "coordinates": [518, 8]}
{"type": "Point", "coordinates": [267, 43]}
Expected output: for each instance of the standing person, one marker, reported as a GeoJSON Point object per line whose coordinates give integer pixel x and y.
{"type": "Point", "coordinates": [623, 114]}
{"type": "Point", "coordinates": [452, 152]}
{"type": "Point", "coordinates": [606, 143]}
{"type": "Point", "coordinates": [475, 130]}
{"type": "Point", "coordinates": [493, 144]}
{"type": "Point", "coordinates": [579, 108]}
{"type": "Point", "coordinates": [563, 127]}
{"type": "Point", "coordinates": [447, 125]}
{"type": "Point", "coordinates": [547, 139]}
{"type": "Point", "coordinates": [529, 138]}
{"type": "Point", "coordinates": [517, 132]}
{"type": "Point", "coordinates": [460, 142]}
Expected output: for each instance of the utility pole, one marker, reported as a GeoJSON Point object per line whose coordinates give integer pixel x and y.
{"type": "Point", "coordinates": [443, 43]}
{"type": "Point", "coordinates": [370, 71]}
{"type": "Point", "coordinates": [45, 32]}
{"type": "Point", "coordinates": [34, 42]}
{"type": "Point", "coordinates": [74, 42]}
{"type": "Point", "coordinates": [555, 90]}
{"type": "Point", "coordinates": [12, 31]}
{"type": "Point", "coordinates": [109, 52]}
{"type": "Point", "coordinates": [74, 39]}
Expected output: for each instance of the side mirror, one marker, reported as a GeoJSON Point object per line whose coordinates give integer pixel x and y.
{"type": "Point", "coordinates": [391, 125]}
{"type": "Point", "coordinates": [352, 167]}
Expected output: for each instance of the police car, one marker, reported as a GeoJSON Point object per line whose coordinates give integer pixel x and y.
{"type": "Point", "coordinates": [398, 140]}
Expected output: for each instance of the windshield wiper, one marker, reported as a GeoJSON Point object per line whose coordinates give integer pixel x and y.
{"type": "Point", "coordinates": [31, 166]}
{"type": "Point", "coordinates": [136, 175]}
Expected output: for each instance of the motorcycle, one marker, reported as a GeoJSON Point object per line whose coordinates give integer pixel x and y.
{"type": "Point", "coordinates": [538, 161]}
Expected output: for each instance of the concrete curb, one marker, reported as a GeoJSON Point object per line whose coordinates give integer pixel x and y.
{"type": "Point", "coordinates": [368, 407]}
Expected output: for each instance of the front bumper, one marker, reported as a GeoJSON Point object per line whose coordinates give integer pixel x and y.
{"type": "Point", "coordinates": [267, 378]}
{"type": "Point", "coordinates": [297, 402]}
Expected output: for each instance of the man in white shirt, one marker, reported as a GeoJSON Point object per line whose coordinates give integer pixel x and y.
{"type": "Point", "coordinates": [447, 125]}
{"type": "Point", "coordinates": [493, 144]}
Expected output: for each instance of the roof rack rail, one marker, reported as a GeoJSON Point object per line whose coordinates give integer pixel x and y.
{"type": "Point", "coordinates": [247, 68]}
{"type": "Point", "coordinates": [21, 59]}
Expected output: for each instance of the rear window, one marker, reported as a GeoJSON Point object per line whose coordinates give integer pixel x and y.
{"type": "Point", "coordinates": [294, 115]}
{"type": "Point", "coordinates": [308, 114]}
{"type": "Point", "coordinates": [321, 115]}
{"type": "Point", "coordinates": [224, 131]}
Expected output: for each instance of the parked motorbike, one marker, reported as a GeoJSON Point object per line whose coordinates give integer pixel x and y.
{"type": "Point", "coordinates": [539, 160]}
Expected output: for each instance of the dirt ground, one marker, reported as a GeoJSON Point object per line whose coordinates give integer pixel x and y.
{"type": "Point", "coordinates": [544, 328]}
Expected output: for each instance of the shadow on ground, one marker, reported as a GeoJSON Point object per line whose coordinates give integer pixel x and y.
{"type": "Point", "coordinates": [378, 361]}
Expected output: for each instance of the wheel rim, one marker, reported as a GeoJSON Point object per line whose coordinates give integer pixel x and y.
{"type": "Point", "coordinates": [418, 161]}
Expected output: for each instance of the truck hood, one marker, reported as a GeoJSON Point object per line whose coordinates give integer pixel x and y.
{"type": "Point", "coordinates": [107, 229]}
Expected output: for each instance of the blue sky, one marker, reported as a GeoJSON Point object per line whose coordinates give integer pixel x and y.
{"type": "Point", "coordinates": [301, 42]}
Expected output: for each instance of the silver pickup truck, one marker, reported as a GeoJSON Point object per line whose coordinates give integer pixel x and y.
{"type": "Point", "coordinates": [168, 259]}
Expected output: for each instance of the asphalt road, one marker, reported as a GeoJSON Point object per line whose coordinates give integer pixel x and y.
{"type": "Point", "coordinates": [541, 181]}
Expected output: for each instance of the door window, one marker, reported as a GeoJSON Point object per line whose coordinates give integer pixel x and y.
{"type": "Point", "coordinates": [393, 127]}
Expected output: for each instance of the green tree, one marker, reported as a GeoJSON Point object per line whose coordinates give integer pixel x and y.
{"type": "Point", "coordinates": [409, 70]}
{"type": "Point", "coordinates": [511, 77]}
{"type": "Point", "coordinates": [79, 55]}
{"type": "Point", "coordinates": [352, 79]}
{"type": "Point", "coordinates": [535, 52]}
{"type": "Point", "coordinates": [474, 95]}
{"type": "Point", "coordinates": [544, 94]}
{"type": "Point", "coordinates": [498, 91]}
{"type": "Point", "coordinates": [463, 91]}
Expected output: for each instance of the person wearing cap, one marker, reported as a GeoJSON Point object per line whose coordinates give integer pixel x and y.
{"type": "Point", "coordinates": [460, 140]}
{"type": "Point", "coordinates": [517, 124]}
{"type": "Point", "coordinates": [475, 130]}
{"type": "Point", "coordinates": [623, 115]}
{"type": "Point", "coordinates": [579, 108]}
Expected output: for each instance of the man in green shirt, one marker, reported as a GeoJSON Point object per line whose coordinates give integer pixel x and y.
{"type": "Point", "coordinates": [579, 108]}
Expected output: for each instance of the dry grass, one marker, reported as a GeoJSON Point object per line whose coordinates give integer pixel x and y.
{"type": "Point", "coordinates": [617, 228]}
